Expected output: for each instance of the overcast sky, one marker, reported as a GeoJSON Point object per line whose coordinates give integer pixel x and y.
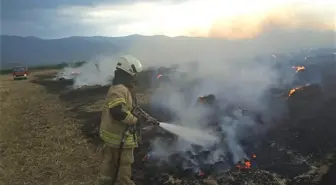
{"type": "Point", "coordinates": [214, 18]}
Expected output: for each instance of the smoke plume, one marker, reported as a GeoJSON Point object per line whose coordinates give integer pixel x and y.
{"type": "Point", "coordinates": [226, 68]}
{"type": "Point", "coordinates": [250, 25]}
{"type": "Point", "coordinates": [98, 71]}
{"type": "Point", "coordinates": [240, 82]}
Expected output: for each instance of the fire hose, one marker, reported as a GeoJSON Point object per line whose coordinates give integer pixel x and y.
{"type": "Point", "coordinates": [122, 142]}
{"type": "Point", "coordinates": [142, 115]}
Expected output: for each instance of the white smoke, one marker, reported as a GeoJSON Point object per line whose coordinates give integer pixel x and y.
{"type": "Point", "coordinates": [242, 82]}
{"type": "Point", "coordinates": [245, 83]}
{"type": "Point", "coordinates": [220, 69]}
{"type": "Point", "coordinates": [98, 71]}
{"type": "Point", "coordinates": [67, 73]}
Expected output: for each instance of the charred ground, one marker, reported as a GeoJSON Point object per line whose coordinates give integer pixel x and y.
{"type": "Point", "coordinates": [298, 150]}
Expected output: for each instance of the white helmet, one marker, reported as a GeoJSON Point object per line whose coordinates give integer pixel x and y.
{"type": "Point", "coordinates": [129, 64]}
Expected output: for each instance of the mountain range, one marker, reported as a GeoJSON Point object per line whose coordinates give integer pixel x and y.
{"type": "Point", "coordinates": [29, 51]}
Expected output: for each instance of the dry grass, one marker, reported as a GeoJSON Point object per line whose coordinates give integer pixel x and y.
{"type": "Point", "coordinates": [38, 143]}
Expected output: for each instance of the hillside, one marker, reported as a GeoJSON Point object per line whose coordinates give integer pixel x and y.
{"type": "Point", "coordinates": [36, 51]}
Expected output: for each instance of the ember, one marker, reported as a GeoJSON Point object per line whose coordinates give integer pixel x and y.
{"type": "Point", "coordinates": [242, 165]}
{"type": "Point", "coordinates": [291, 92]}
{"type": "Point", "coordinates": [145, 158]}
{"type": "Point", "coordinates": [254, 156]}
{"type": "Point", "coordinates": [201, 173]}
{"type": "Point", "coordinates": [298, 68]}
{"type": "Point", "coordinates": [245, 163]}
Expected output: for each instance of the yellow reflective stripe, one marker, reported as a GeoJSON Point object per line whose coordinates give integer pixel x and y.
{"type": "Point", "coordinates": [129, 118]}
{"type": "Point", "coordinates": [115, 139]}
{"type": "Point", "coordinates": [128, 142]}
{"type": "Point", "coordinates": [103, 177]}
{"type": "Point", "coordinates": [114, 136]}
{"type": "Point", "coordinates": [116, 102]}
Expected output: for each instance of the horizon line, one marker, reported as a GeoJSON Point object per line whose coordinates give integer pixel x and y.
{"type": "Point", "coordinates": [141, 35]}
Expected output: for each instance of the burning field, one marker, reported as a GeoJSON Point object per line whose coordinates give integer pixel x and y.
{"type": "Point", "coordinates": [299, 149]}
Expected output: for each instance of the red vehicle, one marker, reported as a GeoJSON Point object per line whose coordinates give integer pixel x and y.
{"type": "Point", "coordinates": [20, 73]}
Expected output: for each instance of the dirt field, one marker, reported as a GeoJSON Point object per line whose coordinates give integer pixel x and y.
{"type": "Point", "coordinates": [39, 143]}
{"type": "Point", "coordinates": [48, 135]}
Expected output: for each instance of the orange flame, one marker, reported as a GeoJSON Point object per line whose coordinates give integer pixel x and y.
{"type": "Point", "coordinates": [291, 92]}
{"type": "Point", "coordinates": [244, 165]}
{"type": "Point", "coordinates": [299, 68]}
{"type": "Point", "coordinates": [254, 156]}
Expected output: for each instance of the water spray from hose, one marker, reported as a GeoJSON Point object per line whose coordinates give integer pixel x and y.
{"type": "Point", "coordinates": [192, 135]}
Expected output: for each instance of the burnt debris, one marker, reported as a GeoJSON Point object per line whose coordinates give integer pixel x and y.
{"type": "Point", "coordinates": [291, 152]}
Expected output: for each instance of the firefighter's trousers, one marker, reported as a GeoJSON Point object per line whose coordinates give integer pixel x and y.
{"type": "Point", "coordinates": [109, 166]}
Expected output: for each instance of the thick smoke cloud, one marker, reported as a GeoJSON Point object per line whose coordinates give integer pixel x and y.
{"type": "Point", "coordinates": [98, 71]}
{"type": "Point", "coordinates": [239, 82]}
{"type": "Point", "coordinates": [245, 83]}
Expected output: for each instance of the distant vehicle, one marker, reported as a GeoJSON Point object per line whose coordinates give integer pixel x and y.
{"type": "Point", "coordinates": [20, 72]}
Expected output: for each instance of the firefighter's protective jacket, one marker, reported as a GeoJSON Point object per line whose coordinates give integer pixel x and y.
{"type": "Point", "coordinates": [111, 130]}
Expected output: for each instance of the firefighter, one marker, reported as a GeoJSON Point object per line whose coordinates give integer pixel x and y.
{"type": "Point", "coordinates": [118, 123]}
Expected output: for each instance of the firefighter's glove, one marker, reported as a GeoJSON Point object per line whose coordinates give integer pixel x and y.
{"type": "Point", "coordinates": [136, 112]}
